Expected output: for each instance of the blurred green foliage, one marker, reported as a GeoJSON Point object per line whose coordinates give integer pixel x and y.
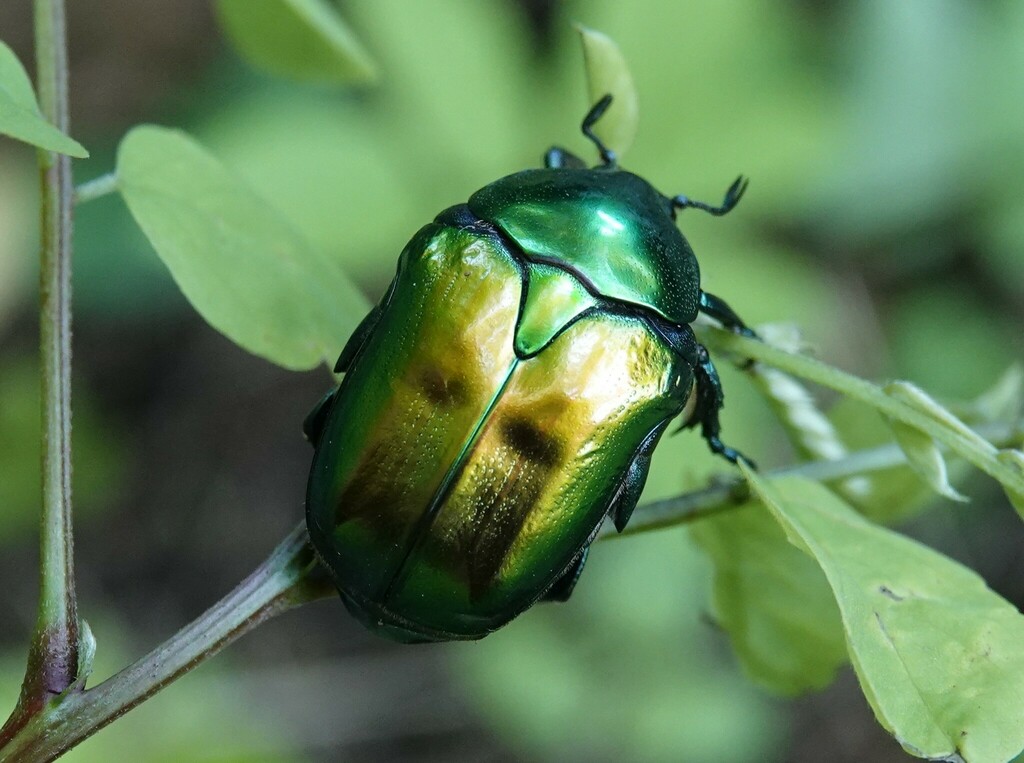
{"type": "Point", "coordinates": [98, 456]}
{"type": "Point", "coordinates": [303, 39]}
{"type": "Point", "coordinates": [885, 217]}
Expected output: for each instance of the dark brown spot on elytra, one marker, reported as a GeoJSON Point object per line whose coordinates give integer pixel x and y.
{"type": "Point", "coordinates": [530, 441]}
{"type": "Point", "coordinates": [449, 391]}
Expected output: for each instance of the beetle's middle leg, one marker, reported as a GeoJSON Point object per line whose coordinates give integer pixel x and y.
{"type": "Point", "coordinates": [562, 588]}
{"type": "Point", "coordinates": [710, 398]}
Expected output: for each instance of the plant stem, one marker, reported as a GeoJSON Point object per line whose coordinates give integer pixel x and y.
{"type": "Point", "coordinates": [53, 655]}
{"type": "Point", "coordinates": [287, 578]}
{"type": "Point", "coordinates": [95, 188]}
{"type": "Point", "coordinates": [290, 576]}
{"type": "Point", "coordinates": [734, 493]}
{"type": "Point", "coordinates": [956, 437]}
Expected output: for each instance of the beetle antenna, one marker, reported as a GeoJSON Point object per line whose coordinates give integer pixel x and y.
{"type": "Point", "coordinates": [732, 198]}
{"type": "Point", "coordinates": [596, 112]}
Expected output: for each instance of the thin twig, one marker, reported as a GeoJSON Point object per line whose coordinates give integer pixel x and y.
{"type": "Point", "coordinates": [96, 188]}
{"type": "Point", "coordinates": [733, 493]}
{"type": "Point", "coordinates": [54, 652]}
{"type": "Point", "coordinates": [287, 578]}
{"type": "Point", "coordinates": [58, 619]}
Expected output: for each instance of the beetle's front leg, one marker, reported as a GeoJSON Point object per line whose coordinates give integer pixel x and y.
{"type": "Point", "coordinates": [710, 398]}
{"type": "Point", "coordinates": [718, 308]}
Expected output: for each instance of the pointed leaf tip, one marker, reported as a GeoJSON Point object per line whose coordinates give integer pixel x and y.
{"type": "Point", "coordinates": [239, 261]}
{"type": "Point", "coordinates": [922, 451]}
{"type": "Point", "coordinates": [608, 74]}
{"type": "Point", "coordinates": [20, 117]}
{"type": "Point", "coordinates": [926, 459]}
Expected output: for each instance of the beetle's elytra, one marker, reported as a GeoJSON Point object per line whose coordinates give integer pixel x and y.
{"type": "Point", "coordinates": [506, 395]}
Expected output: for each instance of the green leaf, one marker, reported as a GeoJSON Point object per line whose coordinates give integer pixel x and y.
{"type": "Point", "coordinates": [245, 269]}
{"type": "Point", "coordinates": [302, 39]}
{"type": "Point", "coordinates": [608, 73]}
{"type": "Point", "coordinates": [20, 117]}
{"type": "Point", "coordinates": [939, 655]}
{"type": "Point", "coordinates": [773, 602]}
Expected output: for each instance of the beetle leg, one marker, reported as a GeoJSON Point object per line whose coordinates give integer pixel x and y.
{"type": "Point", "coordinates": [718, 308]}
{"type": "Point", "coordinates": [633, 483]}
{"type": "Point", "coordinates": [562, 589]}
{"type": "Point", "coordinates": [710, 399]}
{"type": "Point", "coordinates": [357, 340]}
{"type": "Point", "coordinates": [558, 158]}
{"type": "Point", "coordinates": [362, 332]}
{"type": "Point", "coordinates": [596, 112]}
{"type": "Point", "coordinates": [313, 424]}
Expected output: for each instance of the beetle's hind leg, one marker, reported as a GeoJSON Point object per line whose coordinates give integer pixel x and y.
{"type": "Point", "coordinates": [557, 158]}
{"type": "Point", "coordinates": [563, 587]}
{"type": "Point", "coordinates": [710, 399]}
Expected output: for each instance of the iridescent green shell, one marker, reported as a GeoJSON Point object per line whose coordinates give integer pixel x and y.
{"type": "Point", "coordinates": [609, 226]}
{"type": "Point", "coordinates": [480, 436]}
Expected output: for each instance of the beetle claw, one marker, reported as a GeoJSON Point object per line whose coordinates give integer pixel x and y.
{"type": "Point", "coordinates": [735, 193]}
{"type": "Point", "coordinates": [730, 454]}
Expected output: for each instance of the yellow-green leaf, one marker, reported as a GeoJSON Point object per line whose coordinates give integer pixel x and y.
{"type": "Point", "coordinates": [302, 39]}
{"type": "Point", "coordinates": [20, 117]}
{"type": "Point", "coordinates": [241, 265]}
{"type": "Point", "coordinates": [940, 657]}
{"type": "Point", "coordinates": [773, 602]}
{"type": "Point", "coordinates": [608, 73]}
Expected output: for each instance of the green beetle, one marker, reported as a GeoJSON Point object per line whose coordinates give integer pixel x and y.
{"type": "Point", "coordinates": [506, 395]}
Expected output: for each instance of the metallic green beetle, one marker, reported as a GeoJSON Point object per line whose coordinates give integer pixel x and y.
{"type": "Point", "coordinates": [506, 395]}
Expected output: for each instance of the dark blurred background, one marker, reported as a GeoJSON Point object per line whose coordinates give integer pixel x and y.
{"type": "Point", "coordinates": [885, 142]}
